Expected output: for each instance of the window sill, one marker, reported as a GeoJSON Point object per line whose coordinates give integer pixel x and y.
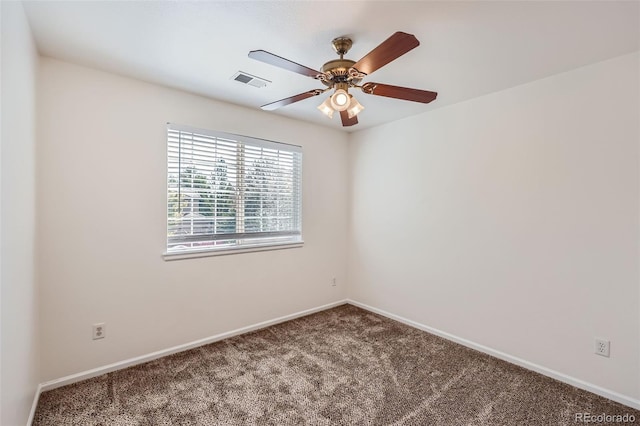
{"type": "Point", "coordinates": [227, 251]}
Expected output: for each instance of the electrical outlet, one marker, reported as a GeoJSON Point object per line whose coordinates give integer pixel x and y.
{"type": "Point", "coordinates": [602, 347]}
{"type": "Point", "coordinates": [99, 331]}
{"type": "Point", "coordinates": [334, 282]}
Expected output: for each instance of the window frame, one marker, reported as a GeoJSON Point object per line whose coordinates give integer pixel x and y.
{"type": "Point", "coordinates": [264, 241]}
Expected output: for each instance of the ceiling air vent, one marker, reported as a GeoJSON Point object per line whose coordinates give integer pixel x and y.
{"type": "Point", "coordinates": [251, 80]}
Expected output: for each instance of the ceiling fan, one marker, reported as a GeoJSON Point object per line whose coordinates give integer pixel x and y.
{"type": "Point", "coordinates": [342, 74]}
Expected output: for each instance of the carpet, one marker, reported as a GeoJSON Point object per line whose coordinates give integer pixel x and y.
{"type": "Point", "coordinates": [343, 366]}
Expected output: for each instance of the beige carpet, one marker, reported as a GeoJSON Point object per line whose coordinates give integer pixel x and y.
{"type": "Point", "coordinates": [344, 366]}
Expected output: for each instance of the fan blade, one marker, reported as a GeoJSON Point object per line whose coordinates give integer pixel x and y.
{"type": "Point", "coordinates": [390, 49]}
{"type": "Point", "coordinates": [292, 99]}
{"type": "Point", "coordinates": [275, 60]}
{"type": "Point", "coordinates": [398, 92]}
{"type": "Point", "coordinates": [346, 121]}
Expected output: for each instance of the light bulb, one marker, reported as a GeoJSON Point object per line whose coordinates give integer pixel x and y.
{"type": "Point", "coordinates": [325, 108]}
{"type": "Point", "coordinates": [340, 100]}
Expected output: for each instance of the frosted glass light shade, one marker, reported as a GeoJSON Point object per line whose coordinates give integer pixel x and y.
{"type": "Point", "coordinates": [354, 107]}
{"type": "Point", "coordinates": [325, 108]}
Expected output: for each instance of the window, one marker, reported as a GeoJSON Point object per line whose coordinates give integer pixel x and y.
{"type": "Point", "coordinates": [227, 191]}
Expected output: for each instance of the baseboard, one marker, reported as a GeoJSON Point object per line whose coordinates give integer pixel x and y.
{"type": "Point", "coordinates": [581, 384]}
{"type": "Point", "coordinates": [63, 381]}
{"type": "Point", "coordinates": [36, 398]}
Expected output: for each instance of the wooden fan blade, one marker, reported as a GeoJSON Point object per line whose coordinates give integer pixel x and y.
{"type": "Point", "coordinates": [275, 60]}
{"type": "Point", "coordinates": [397, 92]}
{"type": "Point", "coordinates": [390, 49]}
{"type": "Point", "coordinates": [292, 99]}
{"type": "Point", "coordinates": [346, 121]}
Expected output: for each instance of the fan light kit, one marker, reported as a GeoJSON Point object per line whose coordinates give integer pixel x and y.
{"type": "Point", "coordinates": [340, 100]}
{"type": "Point", "coordinates": [340, 75]}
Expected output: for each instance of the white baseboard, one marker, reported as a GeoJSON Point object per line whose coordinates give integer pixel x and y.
{"type": "Point", "coordinates": [36, 398]}
{"type": "Point", "coordinates": [581, 384]}
{"type": "Point", "coordinates": [63, 381]}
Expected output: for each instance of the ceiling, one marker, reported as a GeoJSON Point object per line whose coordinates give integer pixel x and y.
{"type": "Point", "coordinates": [467, 48]}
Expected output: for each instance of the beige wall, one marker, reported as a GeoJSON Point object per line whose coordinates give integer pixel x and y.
{"type": "Point", "coordinates": [511, 220]}
{"type": "Point", "coordinates": [102, 223]}
{"type": "Point", "coordinates": [18, 294]}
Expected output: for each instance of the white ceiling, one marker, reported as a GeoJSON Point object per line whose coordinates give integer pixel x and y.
{"type": "Point", "coordinates": [467, 48]}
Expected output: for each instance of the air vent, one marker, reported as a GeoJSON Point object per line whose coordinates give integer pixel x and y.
{"type": "Point", "coordinates": [251, 80]}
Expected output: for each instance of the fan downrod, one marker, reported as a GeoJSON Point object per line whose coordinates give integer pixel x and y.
{"type": "Point", "coordinates": [337, 70]}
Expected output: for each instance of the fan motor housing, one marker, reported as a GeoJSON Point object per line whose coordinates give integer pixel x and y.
{"type": "Point", "coordinates": [337, 71]}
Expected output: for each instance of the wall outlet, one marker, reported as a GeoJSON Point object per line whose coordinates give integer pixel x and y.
{"type": "Point", "coordinates": [99, 331]}
{"type": "Point", "coordinates": [334, 282]}
{"type": "Point", "coordinates": [602, 347]}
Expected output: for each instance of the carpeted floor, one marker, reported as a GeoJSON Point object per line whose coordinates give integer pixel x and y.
{"type": "Point", "coordinates": [344, 366]}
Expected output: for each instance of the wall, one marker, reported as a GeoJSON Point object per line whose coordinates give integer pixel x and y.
{"type": "Point", "coordinates": [19, 314]}
{"type": "Point", "coordinates": [511, 220]}
{"type": "Point", "coordinates": [102, 223]}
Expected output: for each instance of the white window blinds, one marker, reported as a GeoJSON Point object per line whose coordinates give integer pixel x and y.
{"type": "Point", "coordinates": [227, 190]}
